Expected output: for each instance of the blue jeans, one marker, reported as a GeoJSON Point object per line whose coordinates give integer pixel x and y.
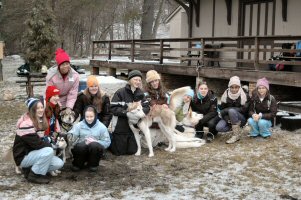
{"type": "Point", "coordinates": [42, 161]}
{"type": "Point", "coordinates": [262, 127]}
{"type": "Point", "coordinates": [234, 116]}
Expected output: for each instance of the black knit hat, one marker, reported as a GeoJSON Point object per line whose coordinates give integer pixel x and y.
{"type": "Point", "coordinates": [134, 73]}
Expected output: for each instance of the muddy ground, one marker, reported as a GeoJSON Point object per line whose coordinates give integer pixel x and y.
{"type": "Point", "coordinates": [249, 169]}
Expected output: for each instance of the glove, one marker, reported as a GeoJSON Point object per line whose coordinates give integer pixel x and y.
{"type": "Point", "coordinates": [88, 140]}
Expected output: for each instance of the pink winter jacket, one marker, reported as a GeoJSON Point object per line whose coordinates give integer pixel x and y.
{"type": "Point", "coordinates": [68, 87]}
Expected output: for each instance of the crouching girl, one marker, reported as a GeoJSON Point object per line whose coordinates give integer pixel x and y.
{"type": "Point", "coordinates": [263, 109]}
{"type": "Point", "coordinates": [35, 156]}
{"type": "Point", "coordinates": [92, 138]}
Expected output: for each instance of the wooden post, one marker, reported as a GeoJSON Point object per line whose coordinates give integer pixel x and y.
{"type": "Point", "coordinates": [252, 86]}
{"type": "Point", "coordinates": [29, 86]}
{"type": "Point", "coordinates": [95, 70]}
{"type": "Point", "coordinates": [202, 51]}
{"type": "Point", "coordinates": [256, 55]}
{"type": "Point", "coordinates": [133, 51]}
{"type": "Point", "coordinates": [93, 46]}
{"type": "Point", "coordinates": [112, 72]}
{"type": "Point", "coordinates": [1, 57]}
{"type": "Point", "coordinates": [110, 50]}
{"type": "Point", "coordinates": [161, 51]}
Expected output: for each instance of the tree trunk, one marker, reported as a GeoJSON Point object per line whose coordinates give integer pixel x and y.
{"type": "Point", "coordinates": [147, 19]}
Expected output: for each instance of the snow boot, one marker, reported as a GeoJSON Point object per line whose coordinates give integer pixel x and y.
{"type": "Point", "coordinates": [208, 136]}
{"type": "Point", "coordinates": [37, 178]}
{"type": "Point", "coordinates": [236, 134]}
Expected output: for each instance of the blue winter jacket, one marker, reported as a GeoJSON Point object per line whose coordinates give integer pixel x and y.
{"type": "Point", "coordinates": [99, 132]}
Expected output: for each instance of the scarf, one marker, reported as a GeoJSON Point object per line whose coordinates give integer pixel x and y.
{"type": "Point", "coordinates": [200, 97]}
{"type": "Point", "coordinates": [92, 124]}
{"type": "Point", "coordinates": [240, 93]}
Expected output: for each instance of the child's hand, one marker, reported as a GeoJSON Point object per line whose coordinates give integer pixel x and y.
{"type": "Point", "coordinates": [256, 117]}
{"type": "Point", "coordinates": [88, 140]}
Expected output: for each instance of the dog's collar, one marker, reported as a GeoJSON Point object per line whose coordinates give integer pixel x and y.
{"type": "Point", "coordinates": [188, 126]}
{"type": "Point", "coordinates": [138, 122]}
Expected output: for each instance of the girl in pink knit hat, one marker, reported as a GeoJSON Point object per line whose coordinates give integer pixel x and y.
{"type": "Point", "coordinates": [262, 111]}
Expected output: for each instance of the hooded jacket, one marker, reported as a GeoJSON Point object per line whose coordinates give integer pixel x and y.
{"type": "Point", "coordinates": [26, 139]}
{"type": "Point", "coordinates": [68, 87]}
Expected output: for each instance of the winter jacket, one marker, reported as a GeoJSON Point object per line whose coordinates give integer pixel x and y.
{"type": "Point", "coordinates": [268, 107]}
{"type": "Point", "coordinates": [206, 106]}
{"type": "Point", "coordinates": [26, 139]}
{"type": "Point", "coordinates": [119, 108]}
{"type": "Point", "coordinates": [98, 132]}
{"type": "Point", "coordinates": [82, 101]}
{"type": "Point", "coordinates": [230, 103]}
{"type": "Point", "coordinates": [68, 87]}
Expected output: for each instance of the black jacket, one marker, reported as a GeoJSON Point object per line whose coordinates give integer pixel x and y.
{"type": "Point", "coordinates": [82, 102]}
{"type": "Point", "coordinates": [119, 107]}
{"type": "Point", "coordinates": [268, 107]}
{"type": "Point", "coordinates": [230, 103]}
{"type": "Point", "coordinates": [207, 106]}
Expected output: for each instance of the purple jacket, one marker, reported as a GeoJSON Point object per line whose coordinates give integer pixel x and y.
{"type": "Point", "coordinates": [68, 87]}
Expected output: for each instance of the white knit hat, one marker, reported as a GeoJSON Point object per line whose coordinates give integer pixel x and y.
{"type": "Point", "coordinates": [152, 75]}
{"type": "Point", "coordinates": [234, 80]}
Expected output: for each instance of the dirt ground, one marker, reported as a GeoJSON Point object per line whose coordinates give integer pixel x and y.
{"type": "Point", "coordinates": [249, 169]}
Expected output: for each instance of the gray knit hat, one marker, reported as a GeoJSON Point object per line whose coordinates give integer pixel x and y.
{"type": "Point", "coordinates": [134, 73]}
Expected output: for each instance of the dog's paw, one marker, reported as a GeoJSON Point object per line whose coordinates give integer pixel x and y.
{"type": "Point", "coordinates": [151, 155]}
{"type": "Point", "coordinates": [172, 150]}
{"type": "Point", "coordinates": [58, 171]}
{"type": "Point", "coordinates": [167, 149]}
{"type": "Point", "coordinates": [138, 153]}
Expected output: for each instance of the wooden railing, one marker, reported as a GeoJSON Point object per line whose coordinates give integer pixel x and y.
{"type": "Point", "coordinates": [250, 52]}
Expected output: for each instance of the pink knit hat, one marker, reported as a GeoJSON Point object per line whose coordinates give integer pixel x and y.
{"type": "Point", "coordinates": [263, 82]}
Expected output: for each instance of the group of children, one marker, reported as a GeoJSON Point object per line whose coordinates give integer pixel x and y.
{"type": "Point", "coordinates": [35, 129]}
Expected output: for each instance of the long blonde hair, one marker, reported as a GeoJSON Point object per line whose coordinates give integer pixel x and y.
{"type": "Point", "coordinates": [40, 125]}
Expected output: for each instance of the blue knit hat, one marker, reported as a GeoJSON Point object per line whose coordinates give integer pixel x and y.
{"type": "Point", "coordinates": [30, 102]}
{"type": "Point", "coordinates": [190, 93]}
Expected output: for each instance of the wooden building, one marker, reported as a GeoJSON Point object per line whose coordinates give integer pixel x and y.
{"type": "Point", "coordinates": [216, 39]}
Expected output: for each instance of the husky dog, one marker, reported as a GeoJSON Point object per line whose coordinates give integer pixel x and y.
{"type": "Point", "coordinates": [186, 139]}
{"type": "Point", "coordinates": [61, 143]}
{"type": "Point", "coordinates": [139, 121]}
{"type": "Point", "coordinates": [67, 121]}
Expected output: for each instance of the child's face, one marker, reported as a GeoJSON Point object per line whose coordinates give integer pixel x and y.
{"type": "Point", "coordinates": [93, 89]}
{"type": "Point", "coordinates": [203, 89]}
{"type": "Point", "coordinates": [155, 84]}
{"type": "Point", "coordinates": [234, 89]}
{"type": "Point", "coordinates": [262, 91]}
{"type": "Point", "coordinates": [40, 110]}
{"type": "Point", "coordinates": [186, 98]}
{"type": "Point", "coordinates": [54, 99]}
{"type": "Point", "coordinates": [89, 116]}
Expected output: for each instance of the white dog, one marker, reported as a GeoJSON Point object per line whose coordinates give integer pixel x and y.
{"type": "Point", "coordinates": [186, 139]}
{"type": "Point", "coordinates": [138, 121]}
{"type": "Point", "coordinates": [137, 117]}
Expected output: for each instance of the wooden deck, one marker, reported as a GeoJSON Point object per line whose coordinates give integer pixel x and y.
{"type": "Point", "coordinates": [275, 77]}
{"type": "Point", "coordinates": [219, 57]}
